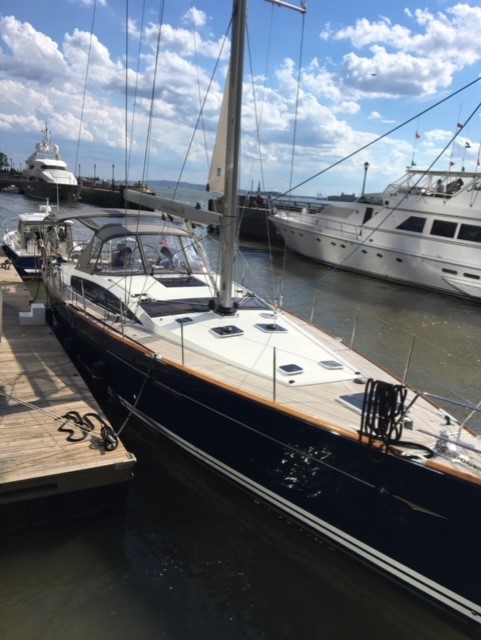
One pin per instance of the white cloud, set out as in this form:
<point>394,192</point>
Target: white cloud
<point>341,104</point>
<point>402,61</point>
<point>34,56</point>
<point>195,17</point>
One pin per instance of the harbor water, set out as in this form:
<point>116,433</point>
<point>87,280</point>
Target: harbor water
<point>192,557</point>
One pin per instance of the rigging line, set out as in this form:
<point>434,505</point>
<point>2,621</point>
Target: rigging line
<point>126,117</point>
<point>333,270</point>
<point>256,117</point>
<point>136,401</point>
<point>458,128</point>
<point>296,111</point>
<point>294,138</point>
<point>246,206</point>
<point>264,85</point>
<point>199,117</point>
<point>148,140</point>
<point>313,455</point>
<point>32,406</point>
<point>87,68</point>
<point>384,135</point>
<point>475,194</point>
<point>137,73</point>
<point>199,93</point>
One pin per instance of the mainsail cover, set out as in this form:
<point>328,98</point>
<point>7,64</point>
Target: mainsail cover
<point>217,167</point>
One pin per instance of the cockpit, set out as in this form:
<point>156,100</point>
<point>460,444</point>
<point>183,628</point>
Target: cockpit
<point>143,249</point>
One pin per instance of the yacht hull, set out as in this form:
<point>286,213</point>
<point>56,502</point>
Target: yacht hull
<point>398,517</point>
<point>27,266</point>
<point>40,190</point>
<point>419,269</point>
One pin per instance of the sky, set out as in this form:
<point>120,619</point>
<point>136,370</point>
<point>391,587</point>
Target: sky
<point>344,84</point>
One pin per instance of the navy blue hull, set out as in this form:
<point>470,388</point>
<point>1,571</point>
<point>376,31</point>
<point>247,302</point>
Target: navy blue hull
<point>418,525</point>
<point>27,267</point>
<point>40,190</point>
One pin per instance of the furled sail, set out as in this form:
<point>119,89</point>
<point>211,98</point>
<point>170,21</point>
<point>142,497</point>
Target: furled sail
<point>217,166</point>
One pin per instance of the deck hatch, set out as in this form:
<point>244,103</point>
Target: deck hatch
<point>271,327</point>
<point>227,331</point>
<point>331,364</point>
<point>291,369</point>
<point>353,400</point>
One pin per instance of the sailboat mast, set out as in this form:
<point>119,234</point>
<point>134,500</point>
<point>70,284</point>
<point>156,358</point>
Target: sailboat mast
<point>234,112</point>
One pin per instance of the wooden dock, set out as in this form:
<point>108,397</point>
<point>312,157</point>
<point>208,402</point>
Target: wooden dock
<point>48,455</point>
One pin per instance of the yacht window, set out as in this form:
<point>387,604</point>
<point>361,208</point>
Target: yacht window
<point>33,232</point>
<point>101,297</point>
<point>470,232</point>
<point>158,308</point>
<point>176,280</point>
<point>413,223</point>
<point>368,214</point>
<point>443,228</point>
<point>171,252</point>
<point>117,255</point>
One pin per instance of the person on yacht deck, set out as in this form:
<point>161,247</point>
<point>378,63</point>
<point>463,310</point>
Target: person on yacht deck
<point>122,257</point>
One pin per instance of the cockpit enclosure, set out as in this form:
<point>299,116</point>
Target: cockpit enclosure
<point>157,248</point>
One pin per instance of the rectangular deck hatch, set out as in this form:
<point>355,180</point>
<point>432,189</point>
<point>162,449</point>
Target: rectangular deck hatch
<point>271,327</point>
<point>228,331</point>
<point>290,369</point>
<point>331,364</point>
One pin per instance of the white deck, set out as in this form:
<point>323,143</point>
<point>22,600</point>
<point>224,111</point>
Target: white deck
<point>315,395</point>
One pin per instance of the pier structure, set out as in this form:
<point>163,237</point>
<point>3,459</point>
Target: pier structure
<point>59,456</point>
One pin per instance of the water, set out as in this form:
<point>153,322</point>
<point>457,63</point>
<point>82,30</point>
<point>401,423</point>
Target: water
<point>194,558</point>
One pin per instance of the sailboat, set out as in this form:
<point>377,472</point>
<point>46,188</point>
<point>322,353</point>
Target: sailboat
<point>270,402</point>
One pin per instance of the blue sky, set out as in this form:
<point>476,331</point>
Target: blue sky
<point>365,68</point>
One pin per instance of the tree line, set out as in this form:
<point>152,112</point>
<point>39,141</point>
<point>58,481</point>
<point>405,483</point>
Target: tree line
<point>4,162</point>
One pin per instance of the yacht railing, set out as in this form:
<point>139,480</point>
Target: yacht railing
<point>322,224</point>
<point>412,359</point>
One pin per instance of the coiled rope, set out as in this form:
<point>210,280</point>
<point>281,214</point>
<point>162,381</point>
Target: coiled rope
<point>382,409</point>
<point>76,422</point>
<point>86,425</point>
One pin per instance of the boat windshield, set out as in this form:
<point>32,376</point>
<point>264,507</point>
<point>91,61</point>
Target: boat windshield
<point>148,253</point>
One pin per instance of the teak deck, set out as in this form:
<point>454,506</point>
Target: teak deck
<point>38,385</point>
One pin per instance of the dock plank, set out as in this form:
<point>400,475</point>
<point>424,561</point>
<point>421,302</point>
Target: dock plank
<point>39,385</point>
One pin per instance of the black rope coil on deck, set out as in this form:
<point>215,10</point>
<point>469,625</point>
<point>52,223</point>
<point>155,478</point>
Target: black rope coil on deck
<point>382,410</point>
<point>78,427</point>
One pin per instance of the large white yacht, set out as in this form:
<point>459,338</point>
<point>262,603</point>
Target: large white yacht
<point>47,175</point>
<point>423,230</point>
